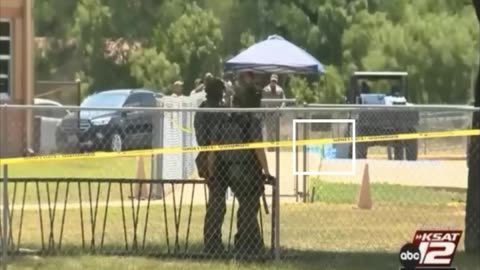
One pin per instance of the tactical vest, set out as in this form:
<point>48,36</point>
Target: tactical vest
<point>234,131</point>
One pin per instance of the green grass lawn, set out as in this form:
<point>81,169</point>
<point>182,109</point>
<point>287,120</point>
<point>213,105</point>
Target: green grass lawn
<point>122,167</point>
<point>108,168</point>
<point>328,233</point>
<point>322,191</point>
<point>312,261</point>
<point>345,193</point>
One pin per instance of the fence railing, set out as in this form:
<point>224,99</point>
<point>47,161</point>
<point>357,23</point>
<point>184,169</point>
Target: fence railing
<point>105,216</point>
<point>136,185</point>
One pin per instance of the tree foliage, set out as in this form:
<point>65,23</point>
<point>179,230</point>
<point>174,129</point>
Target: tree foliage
<point>194,41</point>
<point>329,88</point>
<point>434,40</point>
<point>152,69</point>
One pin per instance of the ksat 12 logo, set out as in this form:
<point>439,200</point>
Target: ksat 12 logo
<point>430,250</point>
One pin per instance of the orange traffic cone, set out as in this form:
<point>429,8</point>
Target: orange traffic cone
<point>140,189</point>
<point>364,198</point>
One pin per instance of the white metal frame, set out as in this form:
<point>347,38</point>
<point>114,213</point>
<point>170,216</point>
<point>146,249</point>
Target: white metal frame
<point>331,121</point>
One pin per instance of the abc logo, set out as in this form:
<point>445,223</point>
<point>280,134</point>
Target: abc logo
<point>409,256</point>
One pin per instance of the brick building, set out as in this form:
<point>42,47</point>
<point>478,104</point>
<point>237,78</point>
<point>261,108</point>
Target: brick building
<point>16,74</point>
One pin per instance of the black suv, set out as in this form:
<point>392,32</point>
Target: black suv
<point>109,130</point>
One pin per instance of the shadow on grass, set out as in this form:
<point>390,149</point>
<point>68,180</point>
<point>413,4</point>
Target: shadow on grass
<point>365,260</point>
<point>290,259</point>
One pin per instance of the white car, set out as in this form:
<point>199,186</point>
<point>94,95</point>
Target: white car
<point>49,119</point>
<point>47,112</point>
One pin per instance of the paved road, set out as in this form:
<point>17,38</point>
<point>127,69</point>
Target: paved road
<point>430,173</point>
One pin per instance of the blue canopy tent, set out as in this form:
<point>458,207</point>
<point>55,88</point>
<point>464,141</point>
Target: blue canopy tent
<point>274,55</point>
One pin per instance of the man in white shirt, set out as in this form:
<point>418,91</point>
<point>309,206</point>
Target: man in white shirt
<point>273,91</point>
<point>228,94</point>
<point>177,90</point>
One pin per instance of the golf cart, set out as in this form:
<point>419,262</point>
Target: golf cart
<point>383,122</point>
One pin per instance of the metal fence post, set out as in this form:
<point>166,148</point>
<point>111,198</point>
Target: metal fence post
<point>183,116</point>
<point>305,156</point>
<point>297,192</point>
<point>276,193</point>
<point>5,217</point>
<point>157,160</point>
<point>79,91</point>
<point>4,208</point>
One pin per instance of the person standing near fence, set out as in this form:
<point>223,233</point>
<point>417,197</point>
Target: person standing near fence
<point>200,85</point>
<point>247,168</point>
<point>228,93</point>
<point>216,208</point>
<point>272,91</point>
<point>241,170</point>
<point>177,90</point>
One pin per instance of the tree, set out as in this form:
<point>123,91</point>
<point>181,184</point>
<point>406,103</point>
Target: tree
<point>197,35</point>
<point>416,44</point>
<point>328,88</point>
<point>152,69</point>
<point>193,41</point>
<point>52,25</point>
<point>91,31</point>
<point>472,216</point>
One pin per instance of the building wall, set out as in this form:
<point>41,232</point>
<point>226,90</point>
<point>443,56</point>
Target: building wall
<point>16,125</point>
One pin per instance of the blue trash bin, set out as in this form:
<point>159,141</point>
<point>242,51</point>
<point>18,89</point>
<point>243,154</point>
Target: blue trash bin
<point>329,151</point>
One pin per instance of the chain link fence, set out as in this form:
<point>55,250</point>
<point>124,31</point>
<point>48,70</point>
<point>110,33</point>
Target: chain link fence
<point>160,203</point>
<point>380,205</point>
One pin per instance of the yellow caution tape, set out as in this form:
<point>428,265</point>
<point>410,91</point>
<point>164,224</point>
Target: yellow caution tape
<point>288,143</point>
<point>178,126</point>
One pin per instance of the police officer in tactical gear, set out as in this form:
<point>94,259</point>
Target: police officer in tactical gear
<point>248,170</point>
<point>241,170</point>
<point>204,123</point>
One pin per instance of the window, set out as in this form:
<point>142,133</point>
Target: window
<point>5,56</point>
<point>134,100</point>
<point>105,99</point>
<point>4,27</point>
<point>4,47</point>
<point>4,66</point>
<point>148,100</point>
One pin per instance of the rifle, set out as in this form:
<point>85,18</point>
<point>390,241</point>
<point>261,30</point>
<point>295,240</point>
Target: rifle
<point>267,180</point>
